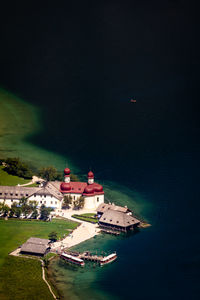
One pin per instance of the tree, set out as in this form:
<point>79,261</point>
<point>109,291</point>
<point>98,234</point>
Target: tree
<point>74,177</point>
<point>5,209</point>
<point>14,166</point>
<point>33,208</point>
<point>13,210</point>
<point>79,203</point>
<point>18,212</point>
<point>67,201</point>
<point>44,212</point>
<point>34,214</point>
<point>48,173</point>
<point>53,236</point>
<point>25,207</point>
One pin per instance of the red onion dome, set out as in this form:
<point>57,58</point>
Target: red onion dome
<point>98,188</point>
<point>89,189</point>
<point>90,174</point>
<point>67,171</point>
<point>65,187</point>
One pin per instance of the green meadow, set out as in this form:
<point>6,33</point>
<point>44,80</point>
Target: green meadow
<point>6,179</point>
<point>20,278</point>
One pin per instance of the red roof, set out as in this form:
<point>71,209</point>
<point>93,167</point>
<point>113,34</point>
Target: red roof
<point>90,174</point>
<point>67,171</point>
<point>75,187</point>
<point>81,188</point>
<point>93,189</point>
<point>65,187</point>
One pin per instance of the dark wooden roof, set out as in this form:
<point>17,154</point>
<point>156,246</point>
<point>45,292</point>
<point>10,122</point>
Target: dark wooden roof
<point>117,218</point>
<point>35,245</point>
<point>104,207</point>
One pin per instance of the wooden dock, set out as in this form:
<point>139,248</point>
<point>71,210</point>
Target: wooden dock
<point>110,231</point>
<point>89,257</point>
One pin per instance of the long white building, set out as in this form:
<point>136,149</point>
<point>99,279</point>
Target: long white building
<point>52,193</point>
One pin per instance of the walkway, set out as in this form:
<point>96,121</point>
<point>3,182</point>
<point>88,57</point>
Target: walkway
<point>82,233</point>
<point>34,180</point>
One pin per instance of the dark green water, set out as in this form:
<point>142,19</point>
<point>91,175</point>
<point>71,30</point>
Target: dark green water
<point>81,65</point>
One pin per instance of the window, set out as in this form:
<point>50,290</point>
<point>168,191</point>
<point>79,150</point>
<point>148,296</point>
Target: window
<point>11,194</point>
<point>11,200</point>
<point>22,194</point>
<point>44,196</point>
<point>6,193</point>
<point>97,199</point>
<point>51,202</point>
<point>16,194</point>
<point>34,195</point>
<point>45,202</point>
<point>0,193</point>
<point>40,201</point>
<point>26,195</point>
<point>74,197</point>
<point>55,202</point>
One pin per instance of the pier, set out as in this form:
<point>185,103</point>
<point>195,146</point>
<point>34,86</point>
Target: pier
<point>87,256</point>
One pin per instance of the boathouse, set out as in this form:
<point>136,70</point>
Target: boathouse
<point>36,246</point>
<point>116,220</point>
<point>103,207</point>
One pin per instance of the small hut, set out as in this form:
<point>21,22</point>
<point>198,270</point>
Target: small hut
<point>36,246</point>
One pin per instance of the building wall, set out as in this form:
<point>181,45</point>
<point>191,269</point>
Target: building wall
<point>9,202</point>
<point>41,199</point>
<point>93,202</point>
<point>47,200</point>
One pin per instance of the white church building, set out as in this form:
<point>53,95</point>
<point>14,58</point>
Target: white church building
<point>52,193</point>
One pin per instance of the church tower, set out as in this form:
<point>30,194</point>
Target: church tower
<point>90,177</point>
<point>67,175</point>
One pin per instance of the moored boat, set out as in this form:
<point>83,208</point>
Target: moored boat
<point>133,101</point>
<point>108,259</point>
<point>72,259</point>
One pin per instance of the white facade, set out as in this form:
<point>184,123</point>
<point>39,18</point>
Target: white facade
<point>92,202</point>
<point>51,194</point>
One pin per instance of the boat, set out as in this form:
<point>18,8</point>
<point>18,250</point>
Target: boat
<point>72,259</point>
<point>133,101</point>
<point>108,259</point>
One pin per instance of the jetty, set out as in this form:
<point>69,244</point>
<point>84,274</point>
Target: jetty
<point>88,256</point>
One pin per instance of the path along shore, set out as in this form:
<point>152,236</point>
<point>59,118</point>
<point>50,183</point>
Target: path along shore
<point>82,233</point>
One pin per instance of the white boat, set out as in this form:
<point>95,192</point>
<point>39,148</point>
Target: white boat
<point>72,259</point>
<point>108,259</point>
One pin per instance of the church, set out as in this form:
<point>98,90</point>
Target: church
<point>52,193</point>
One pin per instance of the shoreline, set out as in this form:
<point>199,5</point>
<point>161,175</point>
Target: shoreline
<point>23,148</point>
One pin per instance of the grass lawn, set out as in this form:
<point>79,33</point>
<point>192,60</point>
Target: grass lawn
<point>20,278</point>
<point>86,217</point>
<point>6,179</point>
